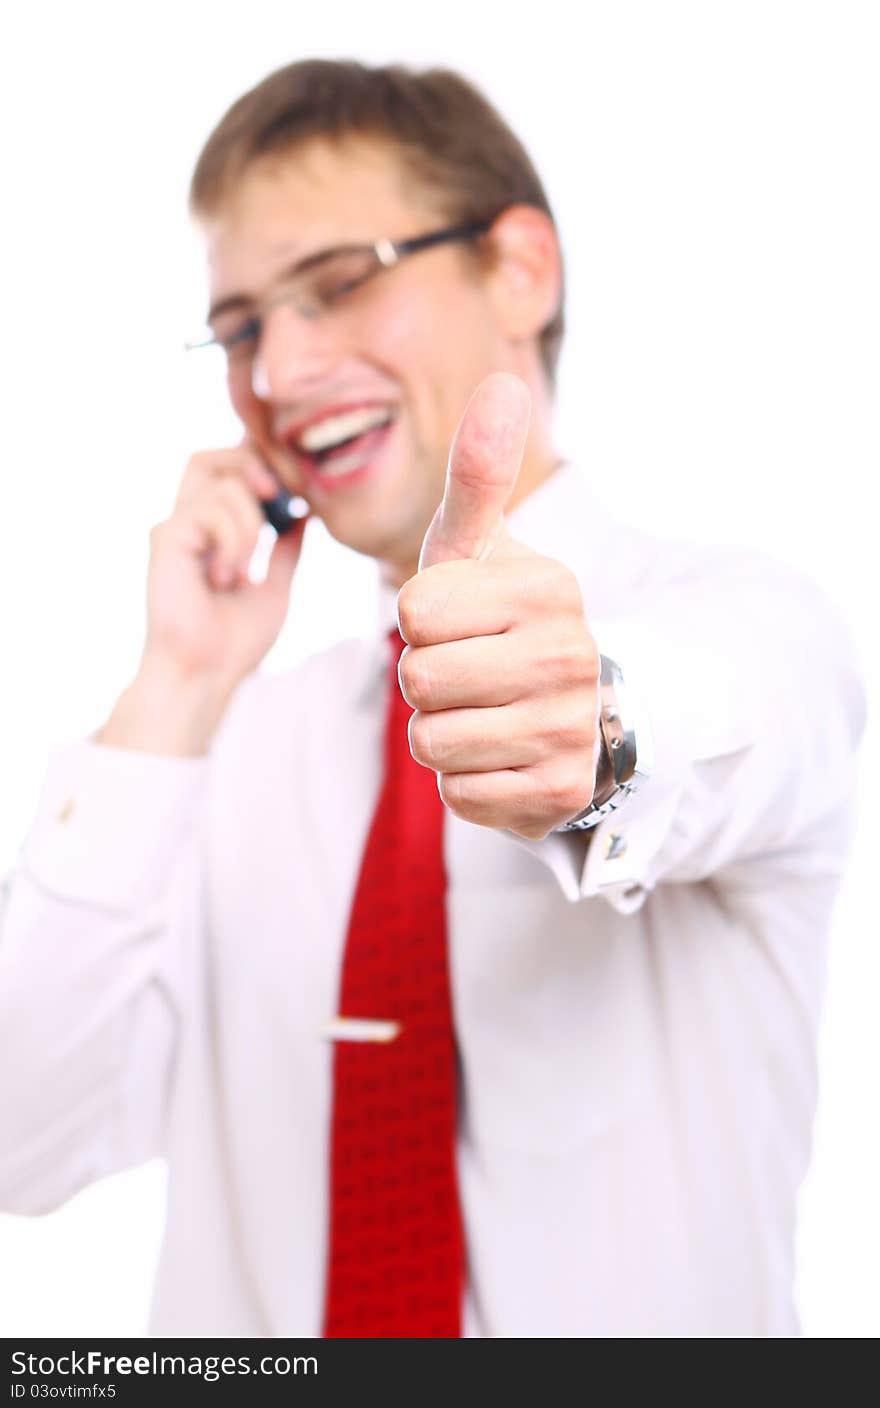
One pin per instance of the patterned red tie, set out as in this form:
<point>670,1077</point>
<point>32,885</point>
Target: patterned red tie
<point>396,1255</point>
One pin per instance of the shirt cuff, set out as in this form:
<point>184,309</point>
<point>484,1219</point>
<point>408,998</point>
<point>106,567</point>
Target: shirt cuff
<point>613,859</point>
<point>110,822</point>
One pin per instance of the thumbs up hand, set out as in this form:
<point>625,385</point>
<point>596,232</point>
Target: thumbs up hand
<point>500,666</point>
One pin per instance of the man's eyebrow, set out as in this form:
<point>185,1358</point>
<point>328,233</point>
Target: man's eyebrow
<point>234,301</point>
<point>228,305</point>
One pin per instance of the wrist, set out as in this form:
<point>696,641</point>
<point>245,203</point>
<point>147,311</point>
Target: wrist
<point>166,710</point>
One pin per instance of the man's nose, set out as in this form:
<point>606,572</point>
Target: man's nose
<point>293,348</point>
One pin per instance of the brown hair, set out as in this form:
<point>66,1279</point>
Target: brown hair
<point>450,137</point>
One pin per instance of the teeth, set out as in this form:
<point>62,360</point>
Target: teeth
<point>341,464</point>
<point>335,429</point>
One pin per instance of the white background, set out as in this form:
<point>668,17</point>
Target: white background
<point>714,171</point>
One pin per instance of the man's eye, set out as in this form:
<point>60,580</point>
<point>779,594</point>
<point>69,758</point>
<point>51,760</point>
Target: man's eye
<point>329,290</point>
<point>340,277</point>
<point>240,338</point>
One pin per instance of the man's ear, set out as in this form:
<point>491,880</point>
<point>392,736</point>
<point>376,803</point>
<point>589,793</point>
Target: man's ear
<point>525,271</point>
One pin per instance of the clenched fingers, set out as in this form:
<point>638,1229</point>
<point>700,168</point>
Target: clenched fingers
<point>498,669</point>
<point>513,736</point>
<point>528,801</point>
<point>457,599</point>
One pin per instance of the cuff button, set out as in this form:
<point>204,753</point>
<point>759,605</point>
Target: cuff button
<point>615,845</point>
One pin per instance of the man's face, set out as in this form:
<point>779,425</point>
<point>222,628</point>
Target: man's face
<point>411,344</point>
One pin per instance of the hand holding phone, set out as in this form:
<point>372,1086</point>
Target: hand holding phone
<point>206,619</point>
<point>208,624</point>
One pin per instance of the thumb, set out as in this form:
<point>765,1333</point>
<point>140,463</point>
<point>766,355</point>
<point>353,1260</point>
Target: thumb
<point>484,463</point>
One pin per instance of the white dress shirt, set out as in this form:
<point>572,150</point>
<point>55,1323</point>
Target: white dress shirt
<point>637,1020</point>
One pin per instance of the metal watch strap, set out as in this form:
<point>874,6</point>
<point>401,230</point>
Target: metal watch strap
<point>616,773</point>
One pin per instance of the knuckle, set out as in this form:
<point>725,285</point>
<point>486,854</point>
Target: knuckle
<point>584,726</point>
<point>409,610</point>
<point>551,585</point>
<point>548,587</point>
<point>452,791</point>
<point>571,662</point>
<point>459,798</point>
<point>571,731</point>
<point>424,601</point>
<point>415,679</point>
<point>534,582</point>
<point>420,739</point>
<point>564,586</point>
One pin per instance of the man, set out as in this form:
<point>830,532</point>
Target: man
<point>422,1059</point>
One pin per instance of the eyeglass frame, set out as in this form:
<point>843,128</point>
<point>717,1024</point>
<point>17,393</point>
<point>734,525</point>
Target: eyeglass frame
<point>388,253</point>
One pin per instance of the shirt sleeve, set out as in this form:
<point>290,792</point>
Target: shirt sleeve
<point>754,697</point>
<point>92,983</point>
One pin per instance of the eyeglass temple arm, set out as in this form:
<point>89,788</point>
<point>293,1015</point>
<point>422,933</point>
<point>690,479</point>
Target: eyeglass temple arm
<point>458,232</point>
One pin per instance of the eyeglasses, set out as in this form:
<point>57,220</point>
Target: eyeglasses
<point>320,283</point>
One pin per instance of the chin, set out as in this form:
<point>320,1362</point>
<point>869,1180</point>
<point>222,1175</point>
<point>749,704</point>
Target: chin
<point>377,541</point>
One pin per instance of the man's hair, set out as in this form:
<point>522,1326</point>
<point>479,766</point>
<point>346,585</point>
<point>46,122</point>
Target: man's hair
<point>449,137</point>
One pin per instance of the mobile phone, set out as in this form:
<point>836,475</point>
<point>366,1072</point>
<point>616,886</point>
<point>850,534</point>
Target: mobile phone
<point>284,511</point>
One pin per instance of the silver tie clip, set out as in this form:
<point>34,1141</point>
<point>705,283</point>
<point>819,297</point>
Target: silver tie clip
<point>359,1029</point>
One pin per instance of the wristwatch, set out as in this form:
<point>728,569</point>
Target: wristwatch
<point>623,763</point>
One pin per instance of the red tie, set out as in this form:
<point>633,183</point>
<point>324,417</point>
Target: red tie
<point>396,1256</point>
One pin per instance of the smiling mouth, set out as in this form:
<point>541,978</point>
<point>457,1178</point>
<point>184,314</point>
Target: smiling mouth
<point>340,442</point>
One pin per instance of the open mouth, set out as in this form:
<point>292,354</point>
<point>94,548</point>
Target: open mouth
<point>342,443</point>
